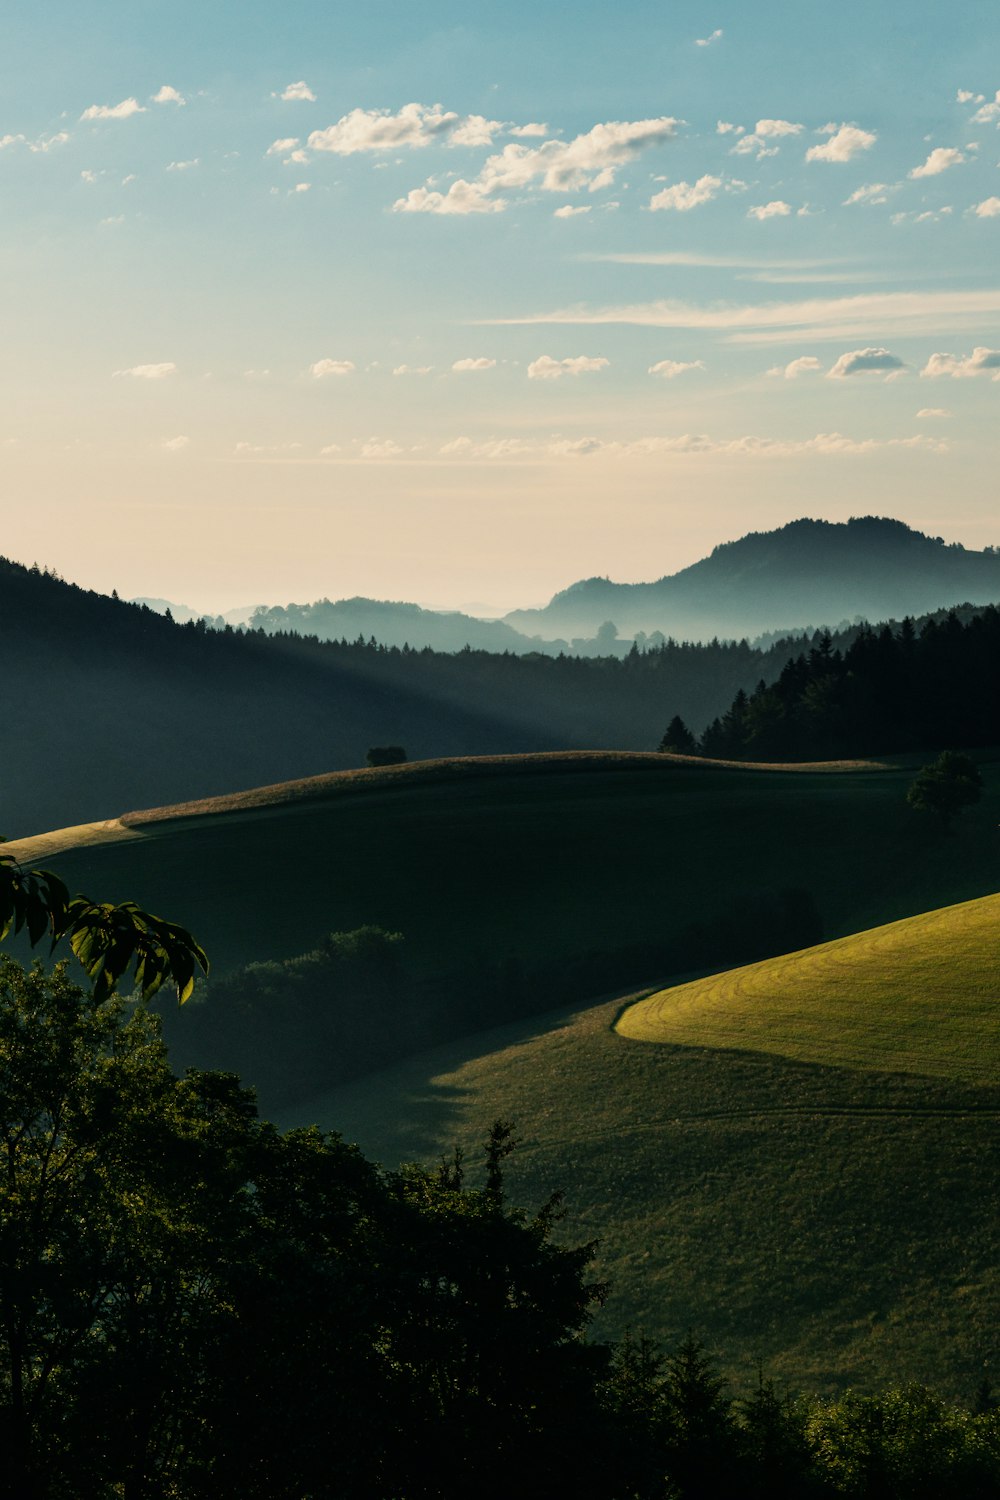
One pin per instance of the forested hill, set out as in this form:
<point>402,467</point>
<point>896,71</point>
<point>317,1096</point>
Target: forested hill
<point>808,571</point>
<point>395,624</point>
<point>105,705</point>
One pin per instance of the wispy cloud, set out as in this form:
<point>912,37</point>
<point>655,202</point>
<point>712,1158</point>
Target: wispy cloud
<point>147,372</point>
<point>175,444</point>
<point>669,369</point>
<point>121,111</point>
<point>823,318</point>
<point>990,113</point>
<point>568,211</point>
<point>547,368</point>
<point>472,366</point>
<point>707,41</point>
<point>300,90</point>
<point>324,368</point>
<point>872,192</point>
<point>843,144</point>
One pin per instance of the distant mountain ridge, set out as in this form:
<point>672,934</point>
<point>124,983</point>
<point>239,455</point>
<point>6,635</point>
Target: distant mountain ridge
<point>809,572</point>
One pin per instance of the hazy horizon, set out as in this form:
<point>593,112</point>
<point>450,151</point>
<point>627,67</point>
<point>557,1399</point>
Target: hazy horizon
<point>431,304</point>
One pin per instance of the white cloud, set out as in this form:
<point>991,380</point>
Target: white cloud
<point>251,450</point>
<point>379,130</point>
<point>684,196</point>
<point>569,212</point>
<point>989,112</point>
<point>300,90</point>
<point>282,146</point>
<point>184,166</point>
<point>865,361</point>
<point>764,132</point>
<point>326,367</point>
<point>988,209</point>
<point>461,198</point>
<point>669,369</point>
<point>871,192</point>
<point>843,144</point>
<point>940,159</point>
<point>981,361</point>
<point>111,219</point>
<point>168,95</point>
<point>381,448</point>
<point>88,175</point>
<point>806,364</point>
<point>706,41</point>
<point>928,412</point>
<point>463,366</point>
<point>413,369</point>
<point>813,318</point>
<point>776,209</point>
<point>531,129</point>
<point>966,96</point>
<point>725,127</point>
<point>302,187</point>
<point>474,130</point>
<point>120,111</point>
<point>12,140</point>
<point>330,449</point>
<point>547,368</point>
<point>175,444</point>
<point>148,372</point>
<point>589,160</point>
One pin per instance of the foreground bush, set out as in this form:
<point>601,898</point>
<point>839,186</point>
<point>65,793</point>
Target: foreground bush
<point>194,1305</point>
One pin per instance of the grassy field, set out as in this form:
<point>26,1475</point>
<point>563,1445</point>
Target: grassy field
<point>917,996</point>
<point>816,1194</point>
<point>536,856</point>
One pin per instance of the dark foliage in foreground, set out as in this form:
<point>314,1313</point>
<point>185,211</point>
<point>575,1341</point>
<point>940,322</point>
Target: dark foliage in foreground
<point>193,1305</point>
<point>885,691</point>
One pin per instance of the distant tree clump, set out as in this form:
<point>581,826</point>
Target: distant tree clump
<point>386,755</point>
<point>946,786</point>
<point>678,738</point>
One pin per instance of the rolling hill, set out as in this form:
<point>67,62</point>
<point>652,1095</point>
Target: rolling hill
<point>519,883</point>
<point>798,1160</point>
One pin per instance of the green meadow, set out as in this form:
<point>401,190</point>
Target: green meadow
<point>795,1158</point>
<point>810,1182</point>
<point>537,857</point>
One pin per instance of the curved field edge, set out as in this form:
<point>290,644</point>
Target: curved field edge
<point>921,995</point>
<point>838,1225</point>
<point>404,777</point>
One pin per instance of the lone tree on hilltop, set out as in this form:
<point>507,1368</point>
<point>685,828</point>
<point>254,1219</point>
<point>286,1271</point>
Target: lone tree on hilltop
<point>946,786</point>
<point>678,738</point>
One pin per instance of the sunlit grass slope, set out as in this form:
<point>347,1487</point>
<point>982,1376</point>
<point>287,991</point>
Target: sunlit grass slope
<point>533,856</point>
<point>793,1201</point>
<point>917,996</point>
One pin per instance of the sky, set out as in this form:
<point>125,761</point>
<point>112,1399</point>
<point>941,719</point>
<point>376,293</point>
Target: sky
<point>459,304</point>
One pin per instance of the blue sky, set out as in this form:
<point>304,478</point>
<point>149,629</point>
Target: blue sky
<point>459,304</point>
